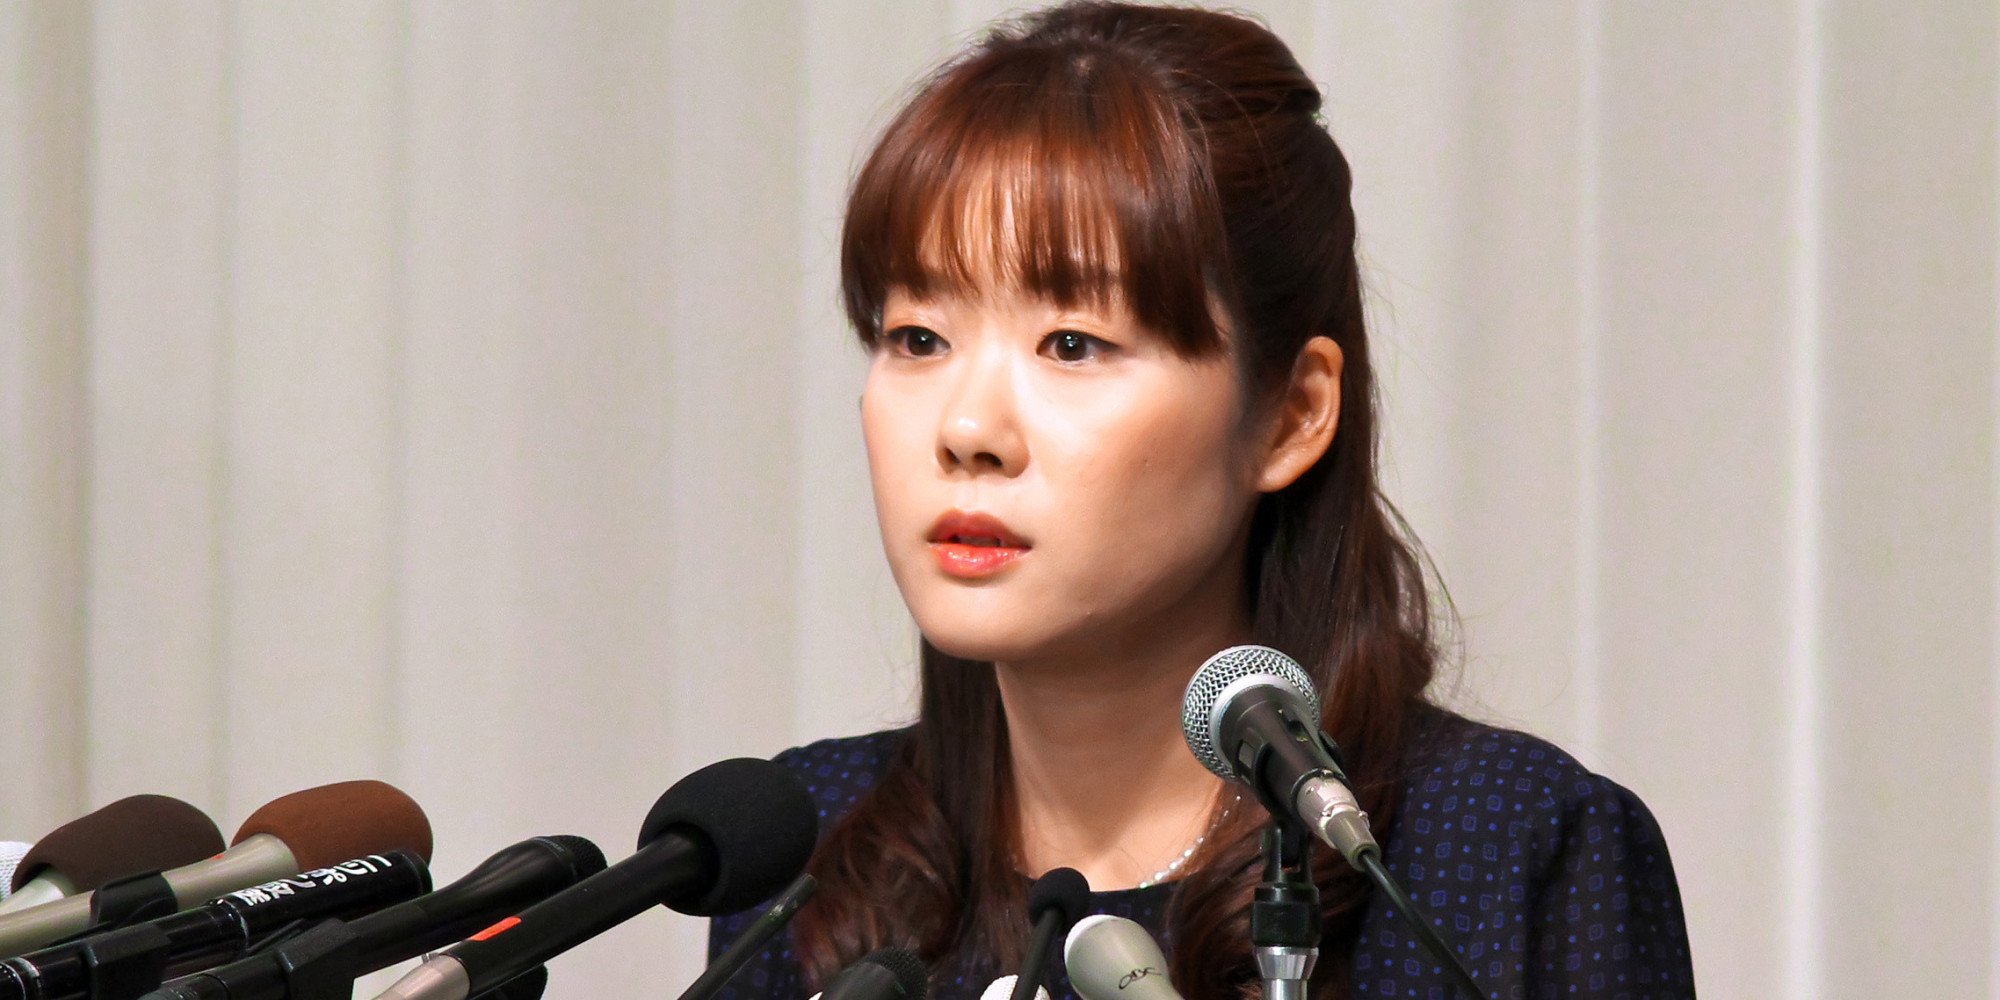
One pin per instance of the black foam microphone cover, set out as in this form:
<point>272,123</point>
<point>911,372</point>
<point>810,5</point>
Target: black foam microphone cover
<point>756,820</point>
<point>1062,890</point>
<point>884,974</point>
<point>1058,899</point>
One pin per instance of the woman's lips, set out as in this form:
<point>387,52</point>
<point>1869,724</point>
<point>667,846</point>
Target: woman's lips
<point>971,545</point>
<point>974,561</point>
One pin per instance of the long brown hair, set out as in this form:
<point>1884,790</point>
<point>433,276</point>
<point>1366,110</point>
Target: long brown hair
<point>1174,158</point>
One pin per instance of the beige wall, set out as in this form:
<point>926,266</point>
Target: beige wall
<point>454,394</point>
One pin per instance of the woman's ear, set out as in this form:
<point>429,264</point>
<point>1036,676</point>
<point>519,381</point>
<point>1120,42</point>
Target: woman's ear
<point>1306,418</point>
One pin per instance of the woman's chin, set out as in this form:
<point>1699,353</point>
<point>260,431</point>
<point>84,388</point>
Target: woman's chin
<point>992,623</point>
<point>978,646</point>
<point>988,641</point>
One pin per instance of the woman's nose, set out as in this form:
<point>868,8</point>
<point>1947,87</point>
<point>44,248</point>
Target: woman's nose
<point>978,432</point>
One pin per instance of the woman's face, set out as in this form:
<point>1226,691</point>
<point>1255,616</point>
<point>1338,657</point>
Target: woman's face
<point>1053,481</point>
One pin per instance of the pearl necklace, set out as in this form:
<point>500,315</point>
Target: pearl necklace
<point>1173,867</point>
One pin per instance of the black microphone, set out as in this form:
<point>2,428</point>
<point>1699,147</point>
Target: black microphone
<point>1056,900</point>
<point>128,961</point>
<point>1251,716</point>
<point>721,839</point>
<point>513,877</point>
<point>884,974</point>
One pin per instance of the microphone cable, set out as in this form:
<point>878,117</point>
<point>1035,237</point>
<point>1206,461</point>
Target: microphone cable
<point>1369,861</point>
<point>1251,716</point>
<point>752,940</point>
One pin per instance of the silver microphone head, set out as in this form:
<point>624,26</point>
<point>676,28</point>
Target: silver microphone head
<point>1226,673</point>
<point>1112,958</point>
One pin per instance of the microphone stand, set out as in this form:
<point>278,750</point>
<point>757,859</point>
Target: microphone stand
<point>1284,916</point>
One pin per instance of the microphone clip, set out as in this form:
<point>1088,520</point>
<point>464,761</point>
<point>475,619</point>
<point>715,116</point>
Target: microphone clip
<point>319,963</point>
<point>1282,752</point>
<point>133,899</point>
<point>1285,913</point>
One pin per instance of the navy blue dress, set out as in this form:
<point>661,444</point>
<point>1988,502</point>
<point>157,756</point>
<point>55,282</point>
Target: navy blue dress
<point>1550,880</point>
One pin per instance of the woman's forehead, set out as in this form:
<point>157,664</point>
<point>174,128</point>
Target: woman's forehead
<point>1072,211</point>
<point>1004,232</point>
<point>996,295</point>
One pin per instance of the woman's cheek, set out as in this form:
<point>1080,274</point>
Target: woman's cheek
<point>891,438</point>
<point>1182,481</point>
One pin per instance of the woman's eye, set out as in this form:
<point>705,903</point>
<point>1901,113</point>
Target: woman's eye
<point>1069,345</point>
<point>914,341</point>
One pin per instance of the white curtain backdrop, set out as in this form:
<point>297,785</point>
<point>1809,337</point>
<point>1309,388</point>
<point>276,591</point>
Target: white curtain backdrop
<point>454,394</point>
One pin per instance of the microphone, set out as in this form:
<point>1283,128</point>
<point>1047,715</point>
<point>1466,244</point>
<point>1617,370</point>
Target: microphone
<point>512,878</point>
<point>140,833</point>
<point>1112,958</point>
<point>883,974</point>
<point>719,840</point>
<point>312,829</point>
<point>126,961</point>
<point>1056,900</point>
<point>1251,716</point>
<point>1003,988</point>
<point>11,852</point>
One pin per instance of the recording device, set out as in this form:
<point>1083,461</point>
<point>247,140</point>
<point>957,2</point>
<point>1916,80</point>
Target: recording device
<point>514,877</point>
<point>11,852</point>
<point>719,840</point>
<point>125,962</point>
<point>752,940</point>
<point>316,828</point>
<point>1112,958</point>
<point>139,833</point>
<point>1003,988</point>
<point>1056,901</point>
<point>1251,716</point>
<point>883,974</point>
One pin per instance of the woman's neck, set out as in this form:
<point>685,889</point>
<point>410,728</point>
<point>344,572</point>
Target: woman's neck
<point>1103,780</point>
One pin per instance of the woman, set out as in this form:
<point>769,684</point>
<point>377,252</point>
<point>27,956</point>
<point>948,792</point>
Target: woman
<point>1120,415</point>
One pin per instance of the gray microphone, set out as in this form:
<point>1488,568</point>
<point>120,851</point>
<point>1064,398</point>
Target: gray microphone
<point>132,836</point>
<point>11,853</point>
<point>1251,716</point>
<point>1112,958</point>
<point>317,828</point>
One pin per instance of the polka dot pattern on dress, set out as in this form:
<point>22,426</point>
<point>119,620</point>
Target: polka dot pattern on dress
<point>1551,881</point>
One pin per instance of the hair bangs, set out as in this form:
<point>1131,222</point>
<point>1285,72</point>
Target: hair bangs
<point>1067,177</point>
